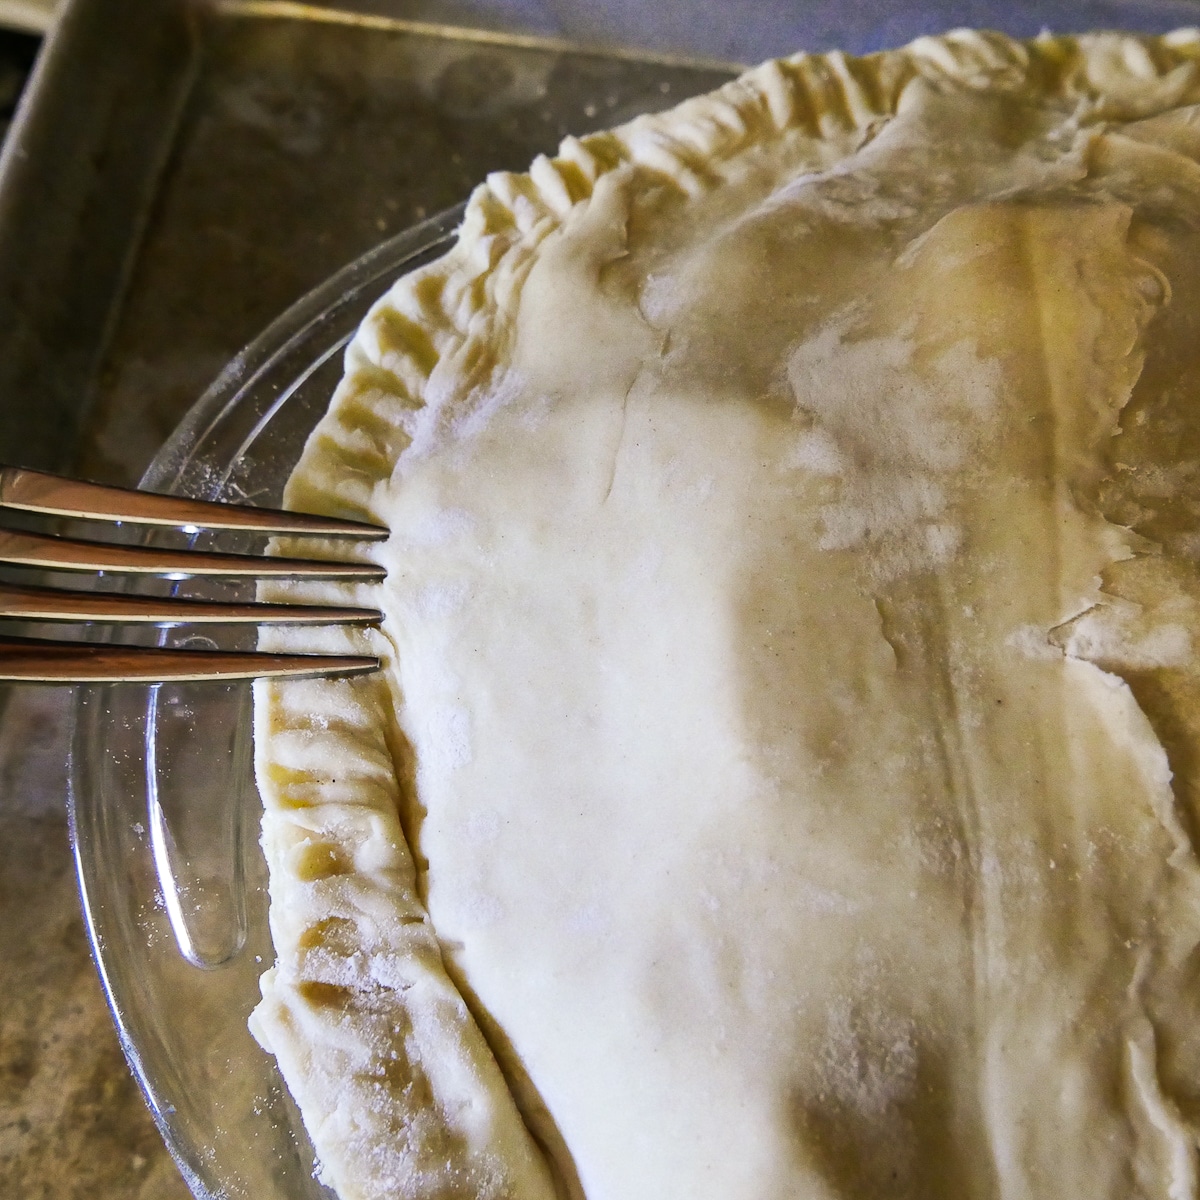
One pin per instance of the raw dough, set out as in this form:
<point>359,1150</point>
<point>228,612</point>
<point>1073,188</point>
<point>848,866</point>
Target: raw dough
<point>783,782</point>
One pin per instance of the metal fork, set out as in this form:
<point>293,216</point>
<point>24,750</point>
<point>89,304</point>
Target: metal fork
<point>47,661</point>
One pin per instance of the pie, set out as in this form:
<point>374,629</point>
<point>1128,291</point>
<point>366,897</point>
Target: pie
<point>783,779</point>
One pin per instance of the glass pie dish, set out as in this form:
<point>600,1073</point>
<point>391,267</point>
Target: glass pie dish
<point>163,808</point>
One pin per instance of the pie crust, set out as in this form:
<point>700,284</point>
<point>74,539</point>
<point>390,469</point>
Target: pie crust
<point>783,778</point>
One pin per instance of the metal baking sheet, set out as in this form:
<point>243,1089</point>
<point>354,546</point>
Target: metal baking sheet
<point>183,173</point>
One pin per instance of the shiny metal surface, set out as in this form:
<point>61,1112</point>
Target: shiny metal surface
<point>181,172</point>
<point>55,495</point>
<point>40,661</point>
<point>25,603</point>
<point>51,553</point>
<point>77,177</point>
<point>24,660</point>
<point>32,660</point>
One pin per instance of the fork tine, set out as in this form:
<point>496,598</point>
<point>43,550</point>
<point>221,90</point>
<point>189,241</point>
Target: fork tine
<point>30,660</point>
<point>53,495</point>
<point>34,660</point>
<point>56,604</point>
<point>48,552</point>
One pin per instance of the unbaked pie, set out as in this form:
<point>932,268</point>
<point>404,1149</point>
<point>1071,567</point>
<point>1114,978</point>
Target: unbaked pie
<point>783,779</point>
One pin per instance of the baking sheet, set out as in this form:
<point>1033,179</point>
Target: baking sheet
<point>76,175</point>
<point>188,172</point>
<point>305,142</point>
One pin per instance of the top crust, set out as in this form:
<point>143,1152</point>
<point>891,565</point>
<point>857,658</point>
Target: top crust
<point>375,1022</point>
<point>445,316</point>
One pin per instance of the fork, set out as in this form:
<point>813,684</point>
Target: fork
<point>37,660</point>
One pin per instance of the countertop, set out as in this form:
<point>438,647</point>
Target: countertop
<point>72,1121</point>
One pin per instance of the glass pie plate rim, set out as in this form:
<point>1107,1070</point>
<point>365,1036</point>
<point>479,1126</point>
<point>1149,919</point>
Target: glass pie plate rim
<point>142,852</point>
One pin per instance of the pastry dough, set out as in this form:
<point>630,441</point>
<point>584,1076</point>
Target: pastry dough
<point>783,779</point>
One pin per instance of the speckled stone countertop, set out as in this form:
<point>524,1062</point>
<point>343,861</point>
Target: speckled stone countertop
<point>72,1121</point>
